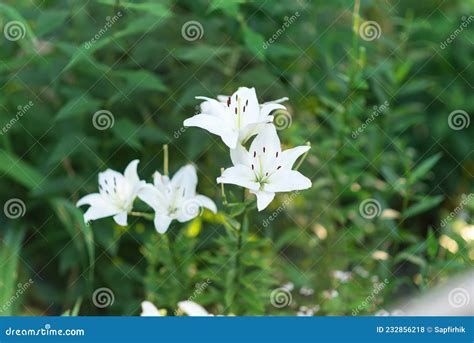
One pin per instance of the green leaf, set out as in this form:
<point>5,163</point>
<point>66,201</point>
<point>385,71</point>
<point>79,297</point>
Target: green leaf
<point>142,79</point>
<point>432,244</point>
<point>154,8</point>
<point>80,232</point>
<point>20,171</point>
<point>254,42</point>
<point>10,249</point>
<point>19,29</point>
<point>77,106</point>
<point>127,131</point>
<point>423,168</point>
<point>424,205</point>
<point>51,20</point>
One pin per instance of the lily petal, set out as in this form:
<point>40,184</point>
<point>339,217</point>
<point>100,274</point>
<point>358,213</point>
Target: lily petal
<point>239,155</point>
<point>152,197</point>
<point>98,212</point>
<point>162,223</point>
<point>207,203</point>
<point>252,129</point>
<point>287,181</point>
<point>130,172</point>
<point>192,309</point>
<point>268,139</point>
<point>215,125</point>
<point>289,157</point>
<point>239,175</point>
<point>121,218</point>
<point>149,310</point>
<point>186,177</point>
<point>264,198</point>
<point>267,108</point>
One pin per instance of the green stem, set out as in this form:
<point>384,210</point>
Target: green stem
<point>302,158</point>
<point>149,216</point>
<point>170,243</point>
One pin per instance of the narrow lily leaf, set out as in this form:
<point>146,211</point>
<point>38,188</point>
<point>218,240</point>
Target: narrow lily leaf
<point>77,106</point>
<point>157,9</point>
<point>254,42</point>
<point>81,233</point>
<point>10,248</point>
<point>424,168</point>
<point>423,206</point>
<point>142,79</point>
<point>18,170</point>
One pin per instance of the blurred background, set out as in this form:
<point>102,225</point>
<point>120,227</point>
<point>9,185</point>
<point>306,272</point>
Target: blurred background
<point>379,88</point>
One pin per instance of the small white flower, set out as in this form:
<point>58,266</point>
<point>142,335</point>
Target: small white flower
<point>116,195</point>
<point>342,276</point>
<point>265,169</point>
<point>149,310</point>
<point>193,309</point>
<point>175,198</point>
<point>236,119</point>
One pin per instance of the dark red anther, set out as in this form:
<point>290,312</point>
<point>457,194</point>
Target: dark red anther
<point>236,110</point>
<point>253,167</point>
<point>277,154</point>
<point>263,149</point>
<point>228,101</point>
<point>278,167</point>
<point>254,154</point>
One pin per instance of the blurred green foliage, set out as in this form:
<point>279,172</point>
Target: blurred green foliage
<point>133,59</point>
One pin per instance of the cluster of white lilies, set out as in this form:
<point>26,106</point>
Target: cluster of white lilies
<point>264,168</point>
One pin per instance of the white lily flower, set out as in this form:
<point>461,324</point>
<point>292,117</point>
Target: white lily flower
<point>116,195</point>
<point>149,310</point>
<point>265,169</point>
<point>235,120</point>
<point>175,198</point>
<point>193,309</point>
